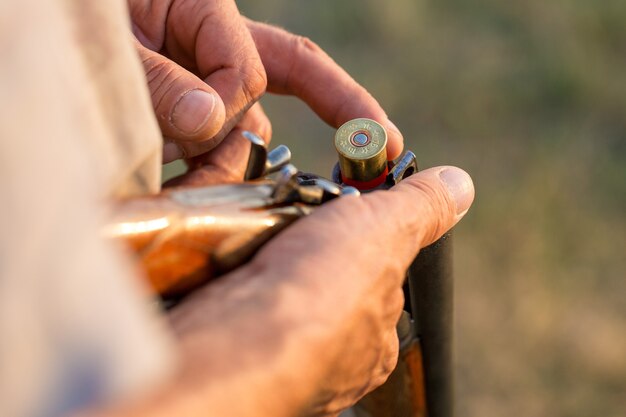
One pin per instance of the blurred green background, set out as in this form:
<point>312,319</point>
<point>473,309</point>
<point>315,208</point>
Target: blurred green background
<point>530,98</point>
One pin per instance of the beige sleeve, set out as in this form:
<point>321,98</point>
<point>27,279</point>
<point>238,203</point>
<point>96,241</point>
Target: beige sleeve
<point>75,128</point>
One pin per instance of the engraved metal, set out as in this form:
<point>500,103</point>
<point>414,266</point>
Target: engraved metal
<point>361,144</point>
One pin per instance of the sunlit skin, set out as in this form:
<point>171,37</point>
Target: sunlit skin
<point>210,47</point>
<point>308,326</point>
<point>309,323</point>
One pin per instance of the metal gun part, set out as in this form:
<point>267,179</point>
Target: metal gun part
<point>260,161</point>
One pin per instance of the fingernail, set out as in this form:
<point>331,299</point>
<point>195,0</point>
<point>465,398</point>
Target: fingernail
<point>172,152</point>
<point>192,111</point>
<point>460,186</point>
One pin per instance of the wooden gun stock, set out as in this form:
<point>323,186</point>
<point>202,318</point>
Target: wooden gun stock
<point>184,238</point>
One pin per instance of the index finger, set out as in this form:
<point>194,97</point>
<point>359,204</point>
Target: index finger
<point>297,66</point>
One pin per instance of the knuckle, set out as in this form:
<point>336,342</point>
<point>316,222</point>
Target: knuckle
<point>369,211</point>
<point>254,80</point>
<point>365,214</point>
<point>148,22</point>
<point>302,44</point>
<point>388,360</point>
<point>395,305</point>
<point>435,211</point>
<point>378,210</point>
<point>299,48</point>
<point>155,68</point>
<point>377,381</point>
<point>160,75</point>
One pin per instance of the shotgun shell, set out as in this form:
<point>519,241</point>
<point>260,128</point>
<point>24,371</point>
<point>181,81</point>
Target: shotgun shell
<point>361,145</point>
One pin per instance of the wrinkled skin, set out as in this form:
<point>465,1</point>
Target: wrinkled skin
<point>206,45</point>
<point>308,326</point>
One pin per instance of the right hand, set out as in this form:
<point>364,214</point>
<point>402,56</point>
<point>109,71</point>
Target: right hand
<point>310,322</point>
<point>206,67</point>
<point>202,68</point>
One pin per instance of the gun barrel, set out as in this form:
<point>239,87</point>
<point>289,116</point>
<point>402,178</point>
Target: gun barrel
<point>431,288</point>
<point>410,391</point>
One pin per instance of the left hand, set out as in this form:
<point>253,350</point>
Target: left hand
<point>308,326</point>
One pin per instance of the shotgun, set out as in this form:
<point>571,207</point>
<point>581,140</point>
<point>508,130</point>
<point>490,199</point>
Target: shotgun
<point>184,237</point>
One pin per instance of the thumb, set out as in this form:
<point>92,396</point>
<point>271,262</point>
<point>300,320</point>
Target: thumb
<point>187,109</point>
<point>427,204</point>
<point>382,229</point>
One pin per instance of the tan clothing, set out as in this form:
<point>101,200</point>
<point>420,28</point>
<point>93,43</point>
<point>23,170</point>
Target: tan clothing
<point>76,127</point>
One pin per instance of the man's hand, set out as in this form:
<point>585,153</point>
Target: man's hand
<point>295,66</point>
<point>207,66</point>
<point>308,326</point>
<point>228,161</point>
<point>202,66</point>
